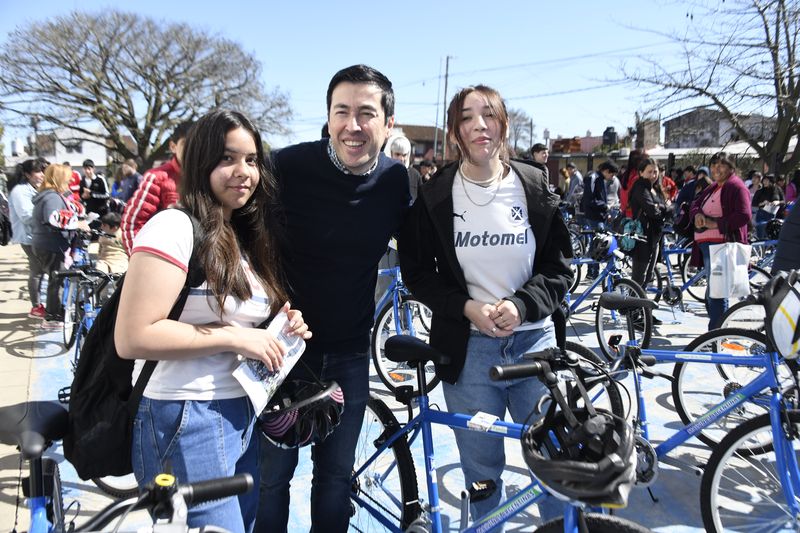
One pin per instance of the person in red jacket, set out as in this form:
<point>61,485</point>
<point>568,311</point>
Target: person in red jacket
<point>157,191</point>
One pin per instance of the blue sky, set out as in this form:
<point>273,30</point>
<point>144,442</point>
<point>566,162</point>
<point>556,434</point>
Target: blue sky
<point>549,59</point>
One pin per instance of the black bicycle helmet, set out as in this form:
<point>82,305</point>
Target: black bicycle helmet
<point>302,412</point>
<point>602,246</point>
<point>773,228</point>
<point>583,457</point>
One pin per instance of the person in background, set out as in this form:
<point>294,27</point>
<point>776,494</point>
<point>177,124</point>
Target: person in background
<point>426,170</point>
<point>721,213</point>
<point>540,154</point>
<point>793,187</point>
<point>491,298</point>
<point>787,251</point>
<point>20,207</point>
<point>399,149</point>
<point>195,419</point>
<point>95,196</point>
<point>575,187</point>
<point>56,221</point>
<point>628,179</point>
<point>767,201</point>
<point>612,188</point>
<point>342,200</point>
<point>648,207</point>
<point>158,189</point>
<point>563,183</point>
<point>130,179</point>
<point>111,256</point>
<point>594,205</point>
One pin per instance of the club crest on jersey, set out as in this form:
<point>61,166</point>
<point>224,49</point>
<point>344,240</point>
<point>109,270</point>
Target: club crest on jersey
<point>517,215</point>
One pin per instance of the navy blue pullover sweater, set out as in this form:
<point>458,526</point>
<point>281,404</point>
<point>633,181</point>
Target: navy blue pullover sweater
<point>337,227</point>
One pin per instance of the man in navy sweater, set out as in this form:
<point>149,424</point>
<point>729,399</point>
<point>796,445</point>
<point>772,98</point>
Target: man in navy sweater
<point>342,199</point>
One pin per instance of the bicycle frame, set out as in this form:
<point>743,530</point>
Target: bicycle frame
<point>609,272</point>
<point>395,293</point>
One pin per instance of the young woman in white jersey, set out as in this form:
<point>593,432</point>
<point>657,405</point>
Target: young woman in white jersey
<point>194,419</point>
<point>486,249</point>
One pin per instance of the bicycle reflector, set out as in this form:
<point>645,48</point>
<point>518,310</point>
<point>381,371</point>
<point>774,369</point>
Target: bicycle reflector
<point>781,299</point>
<point>302,412</point>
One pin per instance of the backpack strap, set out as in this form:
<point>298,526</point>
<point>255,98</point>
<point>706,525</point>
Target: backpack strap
<point>194,278</point>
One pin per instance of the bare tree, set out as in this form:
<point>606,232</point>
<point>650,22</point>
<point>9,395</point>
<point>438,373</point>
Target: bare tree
<point>520,130</point>
<point>738,57</point>
<point>133,76</point>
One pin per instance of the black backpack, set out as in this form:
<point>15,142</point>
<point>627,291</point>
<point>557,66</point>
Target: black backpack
<point>102,402</point>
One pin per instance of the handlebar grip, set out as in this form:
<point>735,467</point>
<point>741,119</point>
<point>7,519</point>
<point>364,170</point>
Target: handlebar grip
<point>519,370</point>
<point>216,489</point>
<point>648,360</point>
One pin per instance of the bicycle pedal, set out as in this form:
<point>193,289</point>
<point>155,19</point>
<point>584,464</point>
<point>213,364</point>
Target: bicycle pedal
<point>63,394</point>
<point>480,490</point>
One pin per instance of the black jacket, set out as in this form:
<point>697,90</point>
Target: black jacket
<point>648,206</point>
<point>594,202</point>
<point>431,270</point>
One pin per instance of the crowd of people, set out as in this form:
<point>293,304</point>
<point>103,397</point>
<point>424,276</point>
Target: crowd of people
<point>303,231</point>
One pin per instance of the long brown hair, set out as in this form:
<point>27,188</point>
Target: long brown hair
<point>253,228</point>
<point>497,107</point>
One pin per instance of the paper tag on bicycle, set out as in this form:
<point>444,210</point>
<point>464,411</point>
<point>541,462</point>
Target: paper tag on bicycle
<point>481,421</point>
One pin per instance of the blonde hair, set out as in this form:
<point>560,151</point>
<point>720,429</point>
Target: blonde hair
<point>56,177</point>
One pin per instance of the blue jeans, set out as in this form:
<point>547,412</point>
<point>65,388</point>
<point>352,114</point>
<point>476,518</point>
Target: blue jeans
<point>716,307</point>
<point>199,440</point>
<point>333,458</point>
<point>483,456</point>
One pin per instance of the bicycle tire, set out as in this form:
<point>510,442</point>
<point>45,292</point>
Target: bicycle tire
<point>597,523</point>
<point>577,275</point>
<point>576,239</point>
<point>608,324</point>
<point>69,327</point>
<point>54,506</point>
<point>754,477</point>
<point>744,315</point>
<point>394,374</point>
<point>118,487</point>
<point>697,290</point>
<point>593,377</point>
<point>758,278</point>
<point>697,386</point>
<point>391,472</point>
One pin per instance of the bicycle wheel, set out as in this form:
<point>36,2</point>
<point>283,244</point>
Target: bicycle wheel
<point>118,487</point>
<point>758,278</point>
<point>578,248</point>
<point>597,523</point>
<point>742,492</point>
<point>389,482</point>
<point>70,313</point>
<point>603,390</point>
<point>696,290</point>
<point>54,505</point>
<point>744,315</point>
<point>387,325</point>
<point>577,274</point>
<point>609,323</point>
<point>697,387</point>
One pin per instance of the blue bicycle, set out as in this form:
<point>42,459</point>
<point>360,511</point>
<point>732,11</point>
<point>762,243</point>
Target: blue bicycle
<point>734,392</point>
<point>399,313</point>
<point>385,494</point>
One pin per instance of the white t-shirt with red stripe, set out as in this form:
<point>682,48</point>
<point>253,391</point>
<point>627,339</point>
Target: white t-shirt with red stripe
<point>169,236</point>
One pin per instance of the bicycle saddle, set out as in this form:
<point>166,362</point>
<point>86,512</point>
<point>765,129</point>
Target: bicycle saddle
<point>408,349</point>
<point>622,302</point>
<point>31,425</point>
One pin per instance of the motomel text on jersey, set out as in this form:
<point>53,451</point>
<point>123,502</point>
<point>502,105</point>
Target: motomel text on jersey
<point>466,238</point>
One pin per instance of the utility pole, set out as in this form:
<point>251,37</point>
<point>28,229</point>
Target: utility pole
<point>531,135</point>
<point>444,129</point>
<point>436,128</point>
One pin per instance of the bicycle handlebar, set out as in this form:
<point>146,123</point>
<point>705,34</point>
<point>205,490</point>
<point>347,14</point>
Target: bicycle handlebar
<point>216,489</point>
<point>518,370</point>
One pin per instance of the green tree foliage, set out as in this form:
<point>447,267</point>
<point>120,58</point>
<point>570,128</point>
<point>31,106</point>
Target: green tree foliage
<point>134,76</point>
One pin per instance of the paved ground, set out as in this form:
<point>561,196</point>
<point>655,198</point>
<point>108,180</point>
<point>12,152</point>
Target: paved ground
<point>33,365</point>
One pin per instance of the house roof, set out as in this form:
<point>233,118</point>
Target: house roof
<point>419,133</point>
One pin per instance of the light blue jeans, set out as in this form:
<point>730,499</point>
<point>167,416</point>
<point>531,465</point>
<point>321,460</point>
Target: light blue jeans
<point>483,456</point>
<point>199,440</point>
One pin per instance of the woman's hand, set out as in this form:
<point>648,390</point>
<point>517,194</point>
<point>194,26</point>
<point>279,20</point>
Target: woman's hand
<point>480,314</point>
<point>699,220</point>
<point>297,325</point>
<point>506,315</point>
<point>257,343</point>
